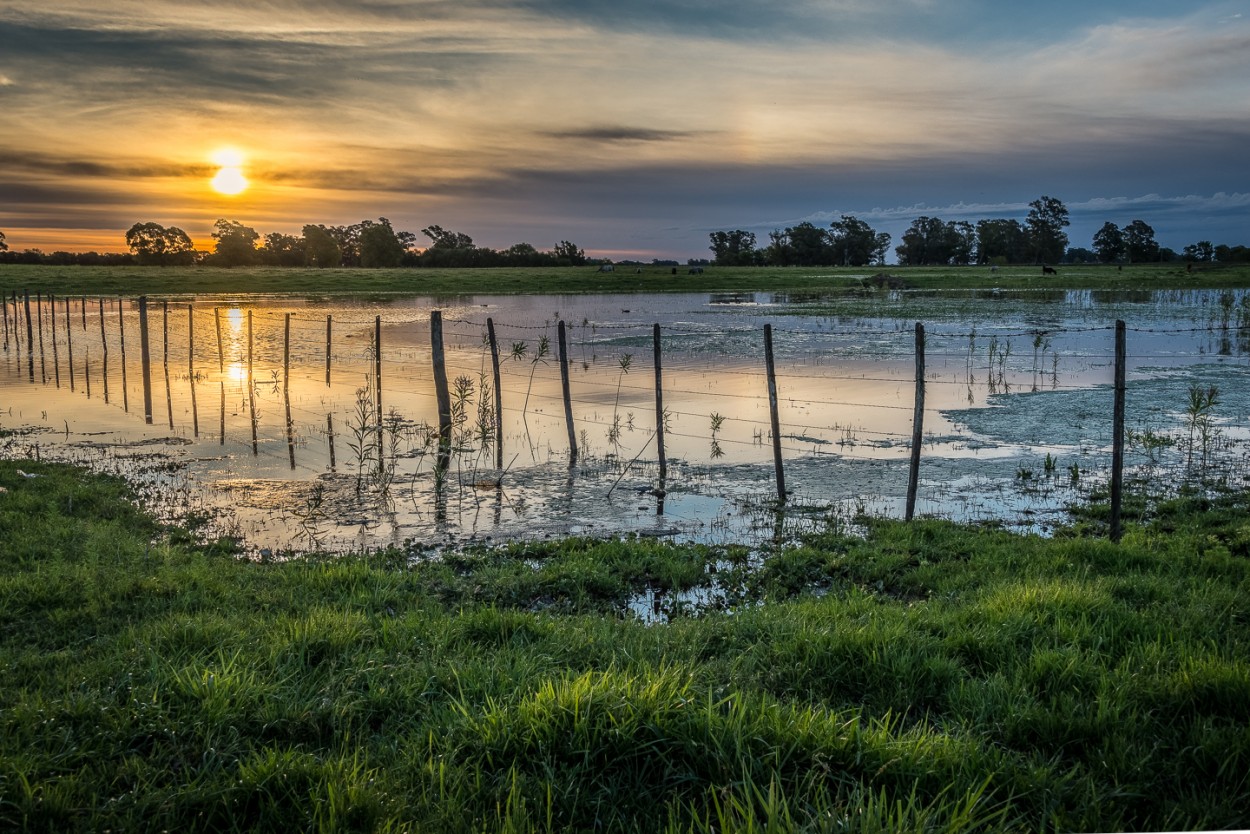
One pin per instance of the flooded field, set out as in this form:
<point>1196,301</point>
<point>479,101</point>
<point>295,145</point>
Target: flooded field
<point>298,423</point>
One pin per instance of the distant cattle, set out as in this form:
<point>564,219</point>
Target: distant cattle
<point>607,268</point>
<point>1048,270</point>
<point>695,270</point>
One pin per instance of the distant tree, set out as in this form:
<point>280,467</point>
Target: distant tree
<point>3,246</point>
<point>379,246</point>
<point>961,242</point>
<point>1202,252</point>
<point>236,243</point>
<point>1109,243</point>
<point>853,242</point>
<point>1139,242</point>
<point>1080,255</point>
<point>1226,254</point>
<point>283,250</point>
<point>157,245</point>
<point>736,248</point>
<point>569,254</point>
<point>441,238</point>
<point>1003,241</point>
<point>1048,217</point>
<point>320,247</point>
<point>927,241</point>
<point>881,248</point>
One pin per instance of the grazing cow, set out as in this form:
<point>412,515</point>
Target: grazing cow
<point>994,268</point>
<point>606,268</point>
<point>695,270</point>
<point>1048,270</point>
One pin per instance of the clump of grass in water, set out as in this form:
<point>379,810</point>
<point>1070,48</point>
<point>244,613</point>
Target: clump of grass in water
<point>1200,418</point>
<point>718,420</point>
<point>614,430</point>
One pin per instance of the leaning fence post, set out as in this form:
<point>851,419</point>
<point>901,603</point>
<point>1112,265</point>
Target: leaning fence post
<point>494,361</point>
<point>659,406</point>
<point>772,409</point>
<point>30,336</point>
<point>169,396</point>
<point>121,334</point>
<point>440,390</point>
<point>251,388</point>
<point>564,385</point>
<point>327,351</point>
<point>104,344</point>
<point>1117,441</point>
<point>145,358</point>
<point>917,426</point>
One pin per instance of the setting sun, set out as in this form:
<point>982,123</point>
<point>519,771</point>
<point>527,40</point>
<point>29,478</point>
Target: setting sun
<point>229,179</point>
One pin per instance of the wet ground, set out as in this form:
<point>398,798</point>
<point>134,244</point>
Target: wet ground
<point>281,444</point>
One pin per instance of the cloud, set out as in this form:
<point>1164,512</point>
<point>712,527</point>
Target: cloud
<point>621,133</point>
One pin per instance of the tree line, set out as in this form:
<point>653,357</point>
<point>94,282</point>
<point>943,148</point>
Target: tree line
<point>929,241</point>
<point>368,244</point>
<point>932,241</point>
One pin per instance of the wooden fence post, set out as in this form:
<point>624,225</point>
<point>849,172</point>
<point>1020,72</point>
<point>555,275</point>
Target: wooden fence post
<point>494,362</point>
<point>327,351</point>
<point>56,353</point>
<point>121,329</point>
<point>377,369</point>
<point>564,385</point>
<point>43,369</point>
<point>330,436</point>
<point>104,344</point>
<point>773,415</point>
<point>195,409</point>
<point>221,354</point>
<point>286,387</point>
<point>443,460</point>
<point>917,426</point>
<point>659,405</point>
<point>69,343</point>
<point>146,359</point>
<point>169,396</point>
<point>1117,442</point>
<point>251,388</point>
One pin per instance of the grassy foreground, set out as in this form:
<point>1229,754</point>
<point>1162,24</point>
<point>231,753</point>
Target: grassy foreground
<point>171,281</point>
<point>932,677</point>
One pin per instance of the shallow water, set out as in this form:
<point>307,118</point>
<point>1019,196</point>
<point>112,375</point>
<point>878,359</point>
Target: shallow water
<point>247,445</point>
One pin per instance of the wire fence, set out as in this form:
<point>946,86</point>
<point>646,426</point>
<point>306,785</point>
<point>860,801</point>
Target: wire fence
<point>350,392</point>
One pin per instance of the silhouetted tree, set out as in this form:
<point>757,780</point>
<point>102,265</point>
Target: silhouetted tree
<point>441,238</point>
<point>3,246</point>
<point>157,245</point>
<point>283,250</point>
<point>236,243</point>
<point>320,247</point>
<point>379,246</point>
<point>852,242</point>
<point>1001,240</point>
<point>1202,252</point>
<point>1139,242</point>
<point>736,248</point>
<point>1048,217</point>
<point>567,253</point>
<point>1109,243</point>
<point>926,242</point>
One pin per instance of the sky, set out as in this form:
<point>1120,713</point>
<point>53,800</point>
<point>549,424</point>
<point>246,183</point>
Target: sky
<point>631,127</point>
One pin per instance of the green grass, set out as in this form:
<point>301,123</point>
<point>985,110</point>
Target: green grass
<point>170,281</point>
<point>930,677</point>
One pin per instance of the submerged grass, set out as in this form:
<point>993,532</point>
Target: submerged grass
<point>927,677</point>
<point>168,281</point>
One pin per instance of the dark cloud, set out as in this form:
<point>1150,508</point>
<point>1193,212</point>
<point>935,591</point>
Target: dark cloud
<point>19,160</point>
<point>612,133</point>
